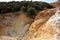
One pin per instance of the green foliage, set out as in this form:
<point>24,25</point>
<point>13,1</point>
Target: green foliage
<point>31,11</point>
<point>24,9</point>
<point>26,6</point>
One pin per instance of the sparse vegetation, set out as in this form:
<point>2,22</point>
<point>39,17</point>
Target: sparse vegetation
<point>31,11</point>
<point>24,9</point>
<point>26,6</point>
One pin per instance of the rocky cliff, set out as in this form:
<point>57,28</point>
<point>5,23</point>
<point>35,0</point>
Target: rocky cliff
<point>56,4</point>
<point>14,24</point>
<point>46,27</point>
<point>17,26</point>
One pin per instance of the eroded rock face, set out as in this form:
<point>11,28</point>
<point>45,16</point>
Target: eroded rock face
<point>42,17</point>
<point>46,26</point>
<point>56,4</point>
<point>14,25</point>
<point>49,30</point>
<point>7,38</point>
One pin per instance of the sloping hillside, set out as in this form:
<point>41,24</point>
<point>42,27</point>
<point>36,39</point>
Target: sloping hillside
<point>18,26</point>
<point>56,4</point>
<point>14,25</point>
<point>42,29</point>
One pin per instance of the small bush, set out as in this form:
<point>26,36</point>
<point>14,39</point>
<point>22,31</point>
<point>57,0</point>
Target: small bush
<point>24,9</point>
<point>31,11</point>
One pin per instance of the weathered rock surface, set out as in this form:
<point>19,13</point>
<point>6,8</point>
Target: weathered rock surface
<point>46,26</point>
<point>7,38</point>
<point>14,25</point>
<point>56,4</point>
<point>49,30</point>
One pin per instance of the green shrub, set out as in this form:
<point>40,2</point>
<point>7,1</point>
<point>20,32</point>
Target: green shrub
<point>24,9</point>
<point>31,11</point>
<point>26,6</point>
